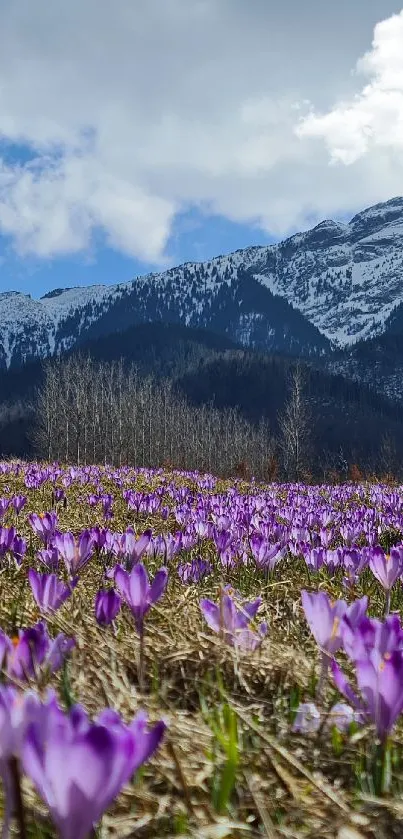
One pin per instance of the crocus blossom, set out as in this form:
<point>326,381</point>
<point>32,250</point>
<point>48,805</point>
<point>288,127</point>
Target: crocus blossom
<point>44,525</point>
<point>138,593</point>
<point>194,571</point>
<point>307,719</point>
<point>16,711</point>
<point>327,618</point>
<point>372,638</point>
<point>234,620</point>
<point>75,553</point>
<point>107,605</point>
<point>33,652</point>
<point>386,567</point>
<point>380,684</point>
<point>7,537</point>
<point>265,554</point>
<point>341,716</point>
<point>49,592</point>
<point>49,557</point>
<point>79,767</point>
<point>18,502</point>
<point>324,618</point>
<point>132,548</point>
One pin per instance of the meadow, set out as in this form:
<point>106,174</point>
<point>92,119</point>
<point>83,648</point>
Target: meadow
<point>187,656</point>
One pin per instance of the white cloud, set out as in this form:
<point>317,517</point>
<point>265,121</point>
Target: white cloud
<point>373,119</point>
<point>51,207</point>
<point>133,111</point>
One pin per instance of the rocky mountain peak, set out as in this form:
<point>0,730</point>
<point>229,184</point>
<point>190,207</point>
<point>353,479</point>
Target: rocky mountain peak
<point>329,286</point>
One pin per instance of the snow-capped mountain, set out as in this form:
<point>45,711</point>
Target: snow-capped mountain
<point>345,278</point>
<point>327,287</point>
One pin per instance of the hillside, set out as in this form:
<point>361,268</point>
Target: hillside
<point>315,292</point>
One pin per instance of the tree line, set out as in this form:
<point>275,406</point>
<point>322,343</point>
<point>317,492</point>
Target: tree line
<point>105,412</point>
<point>90,410</point>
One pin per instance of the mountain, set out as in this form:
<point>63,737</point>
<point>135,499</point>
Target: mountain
<point>345,278</point>
<point>376,363</point>
<point>313,294</point>
<point>220,296</point>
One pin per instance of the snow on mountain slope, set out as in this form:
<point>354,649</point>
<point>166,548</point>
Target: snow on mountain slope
<point>343,279</point>
<point>25,326</point>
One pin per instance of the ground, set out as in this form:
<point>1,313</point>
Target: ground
<point>230,765</point>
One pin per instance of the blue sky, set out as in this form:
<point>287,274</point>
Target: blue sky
<point>211,126</point>
<point>194,238</point>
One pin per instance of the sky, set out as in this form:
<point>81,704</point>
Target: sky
<point>140,134</point>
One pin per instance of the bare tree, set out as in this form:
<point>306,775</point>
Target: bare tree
<point>295,425</point>
<point>388,455</point>
<point>44,431</point>
<point>110,414</point>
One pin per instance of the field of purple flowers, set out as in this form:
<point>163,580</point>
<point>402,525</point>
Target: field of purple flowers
<point>184,656</point>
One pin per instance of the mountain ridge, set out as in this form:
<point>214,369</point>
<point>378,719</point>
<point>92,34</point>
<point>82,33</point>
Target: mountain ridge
<point>323,289</point>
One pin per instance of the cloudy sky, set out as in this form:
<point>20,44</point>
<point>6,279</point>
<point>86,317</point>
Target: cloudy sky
<point>142,133</point>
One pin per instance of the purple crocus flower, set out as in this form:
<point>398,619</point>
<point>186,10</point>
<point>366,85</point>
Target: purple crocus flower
<point>266,555</point>
<point>19,502</point>
<point>4,505</point>
<point>324,618</point>
<point>31,650</point>
<point>49,558</point>
<point>107,503</point>
<point>381,686</point>
<point>354,615</point>
<point>58,650</point>
<point>7,536</point>
<point>202,528</point>
<point>79,767</point>
<point>75,553</point>
<point>355,612</point>
<point>44,525</point>
<point>233,619</point>
<point>128,546</point>
<point>333,559</point>
<point>327,621</point>
<point>166,545</point>
<point>147,741</point>
<point>49,592</point>
<point>137,592</point>
<point>341,716</point>
<point>58,494</point>
<point>194,571</point>
<point>371,638</point>
<point>19,549</point>
<point>17,710</point>
<point>326,537</point>
<point>99,536</point>
<point>386,567</point>
<point>134,548</point>
<point>314,557</point>
<point>307,719</point>
<point>107,605</point>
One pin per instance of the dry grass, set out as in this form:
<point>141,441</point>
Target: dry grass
<point>286,786</point>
